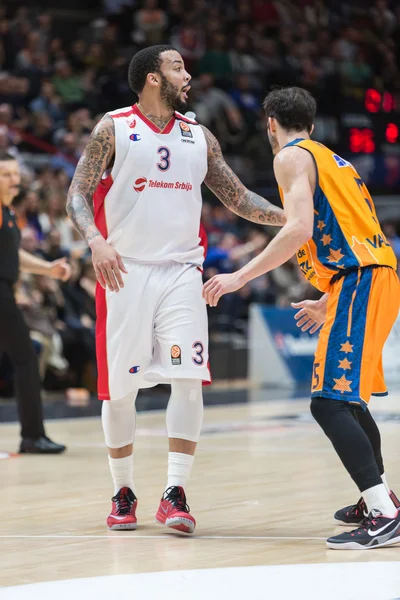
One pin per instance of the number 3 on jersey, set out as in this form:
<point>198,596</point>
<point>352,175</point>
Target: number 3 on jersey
<point>165,154</point>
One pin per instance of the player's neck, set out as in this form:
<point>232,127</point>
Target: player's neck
<point>286,137</point>
<point>155,110</point>
<point>6,200</point>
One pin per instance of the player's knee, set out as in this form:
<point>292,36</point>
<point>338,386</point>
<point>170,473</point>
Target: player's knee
<point>119,419</point>
<point>185,409</point>
<point>323,409</point>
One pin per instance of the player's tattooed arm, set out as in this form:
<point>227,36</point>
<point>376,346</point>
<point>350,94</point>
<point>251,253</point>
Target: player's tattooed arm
<point>226,185</point>
<point>95,159</point>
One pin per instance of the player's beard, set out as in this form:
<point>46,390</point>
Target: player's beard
<point>171,95</point>
<point>273,140</point>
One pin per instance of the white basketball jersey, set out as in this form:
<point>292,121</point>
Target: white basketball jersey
<point>149,206</point>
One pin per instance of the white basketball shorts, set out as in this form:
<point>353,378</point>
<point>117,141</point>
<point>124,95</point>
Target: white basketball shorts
<point>151,331</point>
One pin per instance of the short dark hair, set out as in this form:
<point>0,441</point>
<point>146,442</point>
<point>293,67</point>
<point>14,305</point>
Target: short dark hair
<point>144,62</point>
<point>4,155</point>
<point>294,108</point>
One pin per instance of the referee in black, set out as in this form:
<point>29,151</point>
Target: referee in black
<point>14,334</point>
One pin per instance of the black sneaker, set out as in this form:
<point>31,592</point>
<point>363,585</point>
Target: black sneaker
<point>42,445</point>
<point>356,513</point>
<point>376,531</point>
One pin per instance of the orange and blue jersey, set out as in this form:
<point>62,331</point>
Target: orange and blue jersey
<point>349,257</point>
<point>346,229</point>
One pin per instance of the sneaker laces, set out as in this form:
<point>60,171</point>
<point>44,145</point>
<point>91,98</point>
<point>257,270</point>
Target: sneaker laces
<point>123,502</point>
<point>176,496</point>
<point>371,519</point>
<point>358,508</point>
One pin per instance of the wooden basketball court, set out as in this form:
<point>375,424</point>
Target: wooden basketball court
<point>264,489</point>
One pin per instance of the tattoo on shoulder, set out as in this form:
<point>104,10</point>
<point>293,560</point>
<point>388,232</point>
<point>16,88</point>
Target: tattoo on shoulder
<point>226,185</point>
<point>96,157</point>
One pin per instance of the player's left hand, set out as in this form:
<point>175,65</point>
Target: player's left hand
<point>59,269</point>
<point>219,285</point>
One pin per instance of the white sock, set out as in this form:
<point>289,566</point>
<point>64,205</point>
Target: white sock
<point>377,498</point>
<point>385,483</point>
<point>179,468</point>
<point>122,472</point>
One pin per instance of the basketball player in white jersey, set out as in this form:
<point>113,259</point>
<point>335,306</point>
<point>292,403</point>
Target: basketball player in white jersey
<point>142,170</point>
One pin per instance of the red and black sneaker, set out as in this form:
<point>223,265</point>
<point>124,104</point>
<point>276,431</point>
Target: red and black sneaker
<point>123,512</point>
<point>174,511</point>
<point>356,513</point>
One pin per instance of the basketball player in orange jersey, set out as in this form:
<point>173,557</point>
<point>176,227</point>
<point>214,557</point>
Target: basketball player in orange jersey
<point>143,169</point>
<point>333,228</point>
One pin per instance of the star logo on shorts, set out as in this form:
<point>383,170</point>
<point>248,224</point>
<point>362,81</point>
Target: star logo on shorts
<point>347,347</point>
<point>342,385</point>
<point>344,364</point>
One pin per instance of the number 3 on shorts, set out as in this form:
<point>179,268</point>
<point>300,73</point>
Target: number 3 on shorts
<point>198,354</point>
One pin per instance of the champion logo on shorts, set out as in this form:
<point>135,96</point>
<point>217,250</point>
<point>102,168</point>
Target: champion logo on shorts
<point>134,369</point>
<point>176,355</point>
<point>135,137</point>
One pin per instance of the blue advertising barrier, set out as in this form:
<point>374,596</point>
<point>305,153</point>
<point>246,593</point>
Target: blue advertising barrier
<point>280,353</point>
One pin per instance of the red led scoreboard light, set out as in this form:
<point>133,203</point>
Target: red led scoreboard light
<point>371,126</point>
<point>376,101</point>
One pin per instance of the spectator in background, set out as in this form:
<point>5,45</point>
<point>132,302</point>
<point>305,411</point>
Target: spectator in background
<point>67,158</point>
<point>241,56</point>
<point>67,85</point>
<point>52,248</point>
<point>55,217</point>
<point>79,318</point>
<point>248,102</point>
<point>317,14</point>
<point>189,42</point>
<point>28,221</point>
<point>383,18</point>
<point>356,73</point>
<point>268,57</point>
<point>77,54</point>
<point>150,23</point>
<point>48,102</point>
<point>212,105</point>
<point>392,236</point>
<point>216,60</point>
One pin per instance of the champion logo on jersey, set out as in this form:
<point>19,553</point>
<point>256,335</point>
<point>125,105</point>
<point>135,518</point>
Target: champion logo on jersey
<point>134,370</point>
<point>140,184</point>
<point>185,130</point>
<point>135,137</point>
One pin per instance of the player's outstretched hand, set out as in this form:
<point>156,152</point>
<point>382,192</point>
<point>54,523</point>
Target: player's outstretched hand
<point>219,285</point>
<point>311,315</point>
<point>107,264</point>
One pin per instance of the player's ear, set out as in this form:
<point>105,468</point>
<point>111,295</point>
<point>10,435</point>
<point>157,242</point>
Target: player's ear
<point>152,79</point>
<point>312,128</point>
<point>271,124</point>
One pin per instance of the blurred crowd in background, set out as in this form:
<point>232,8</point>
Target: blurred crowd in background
<point>64,65</point>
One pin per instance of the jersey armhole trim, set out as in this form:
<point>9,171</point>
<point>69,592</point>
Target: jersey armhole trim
<point>317,186</point>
